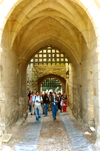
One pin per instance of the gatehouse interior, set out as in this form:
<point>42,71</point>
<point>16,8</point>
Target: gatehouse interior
<point>44,39</point>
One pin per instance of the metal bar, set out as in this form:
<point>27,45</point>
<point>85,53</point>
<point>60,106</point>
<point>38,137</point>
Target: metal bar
<point>53,57</point>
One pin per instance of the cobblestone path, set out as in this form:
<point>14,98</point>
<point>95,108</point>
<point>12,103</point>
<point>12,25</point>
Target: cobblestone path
<point>64,134</point>
<point>79,142</point>
<point>25,137</point>
<point>54,136</point>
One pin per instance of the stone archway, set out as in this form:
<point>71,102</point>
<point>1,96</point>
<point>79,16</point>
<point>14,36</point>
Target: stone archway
<point>60,79</point>
<point>87,6</point>
<point>25,26</point>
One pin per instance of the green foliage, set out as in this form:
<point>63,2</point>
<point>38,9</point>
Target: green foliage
<point>49,88</point>
<point>51,83</point>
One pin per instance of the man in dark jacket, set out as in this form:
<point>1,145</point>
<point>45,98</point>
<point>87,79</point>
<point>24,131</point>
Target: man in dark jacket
<point>59,106</point>
<point>46,103</point>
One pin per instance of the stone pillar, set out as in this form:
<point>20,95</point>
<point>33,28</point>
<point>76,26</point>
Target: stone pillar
<point>90,99</point>
<point>2,116</point>
<point>70,87</point>
<point>80,92</point>
<point>22,90</point>
<point>67,81</point>
<point>63,88</point>
<point>96,147</point>
<point>0,100</point>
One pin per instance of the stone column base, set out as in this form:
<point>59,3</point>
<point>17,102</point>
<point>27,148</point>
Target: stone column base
<point>1,143</point>
<point>96,146</point>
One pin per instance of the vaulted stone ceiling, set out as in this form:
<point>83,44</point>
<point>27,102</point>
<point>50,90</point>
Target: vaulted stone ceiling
<point>36,23</point>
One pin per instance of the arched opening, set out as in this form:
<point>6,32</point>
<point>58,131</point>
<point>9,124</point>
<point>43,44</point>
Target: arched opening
<point>47,62</point>
<point>51,84</point>
<point>73,27</point>
<point>59,78</point>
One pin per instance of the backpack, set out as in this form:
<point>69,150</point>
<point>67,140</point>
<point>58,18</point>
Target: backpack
<point>35,99</point>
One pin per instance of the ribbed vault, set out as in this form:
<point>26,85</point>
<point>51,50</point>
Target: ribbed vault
<point>72,26</point>
<point>34,24</point>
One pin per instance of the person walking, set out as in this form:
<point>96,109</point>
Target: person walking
<point>30,102</point>
<point>54,104</point>
<point>33,97</point>
<point>64,102</point>
<point>59,106</point>
<point>50,95</point>
<point>37,101</point>
<point>29,95</point>
<point>42,105</point>
<point>46,103</point>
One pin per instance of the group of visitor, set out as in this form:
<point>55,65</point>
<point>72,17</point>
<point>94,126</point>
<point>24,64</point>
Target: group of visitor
<point>39,103</point>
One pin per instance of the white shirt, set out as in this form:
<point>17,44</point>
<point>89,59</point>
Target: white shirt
<point>33,97</point>
<point>39,98</point>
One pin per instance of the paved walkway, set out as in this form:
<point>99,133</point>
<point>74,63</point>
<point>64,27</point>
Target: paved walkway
<point>54,136</point>
<point>64,134</point>
<point>79,142</point>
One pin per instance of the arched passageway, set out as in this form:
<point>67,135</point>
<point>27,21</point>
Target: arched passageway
<point>60,79</point>
<point>74,28</point>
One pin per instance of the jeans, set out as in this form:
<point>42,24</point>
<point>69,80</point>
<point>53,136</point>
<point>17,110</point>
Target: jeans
<point>54,110</point>
<point>45,108</point>
<point>31,108</point>
<point>37,112</point>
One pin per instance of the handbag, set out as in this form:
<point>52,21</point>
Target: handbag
<point>64,105</point>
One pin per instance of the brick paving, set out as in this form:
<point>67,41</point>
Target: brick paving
<point>64,134</point>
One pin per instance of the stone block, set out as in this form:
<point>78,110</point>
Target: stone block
<point>29,7</point>
<point>91,8</point>
<point>6,138</point>
<point>95,20</point>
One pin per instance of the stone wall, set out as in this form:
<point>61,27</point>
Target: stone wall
<point>43,70</point>
<point>89,83</point>
<point>70,81</point>
<point>75,86</point>
<point>10,99</point>
<point>38,71</point>
<point>83,87</point>
<point>13,85</point>
<point>32,78</point>
<point>25,27</point>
